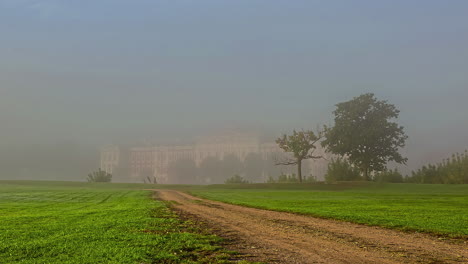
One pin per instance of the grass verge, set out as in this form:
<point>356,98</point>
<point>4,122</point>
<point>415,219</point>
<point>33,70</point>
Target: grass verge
<point>95,223</point>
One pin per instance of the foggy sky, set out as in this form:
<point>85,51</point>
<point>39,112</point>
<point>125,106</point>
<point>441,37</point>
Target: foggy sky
<point>110,71</point>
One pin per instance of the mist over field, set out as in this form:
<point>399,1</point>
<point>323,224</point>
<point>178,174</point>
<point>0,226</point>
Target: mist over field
<point>78,75</point>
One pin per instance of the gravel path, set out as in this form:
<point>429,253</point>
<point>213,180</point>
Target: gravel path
<point>278,237</point>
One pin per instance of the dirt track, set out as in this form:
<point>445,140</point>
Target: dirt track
<point>277,237</point>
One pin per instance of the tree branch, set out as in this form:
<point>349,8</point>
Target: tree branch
<point>313,157</point>
<point>285,161</point>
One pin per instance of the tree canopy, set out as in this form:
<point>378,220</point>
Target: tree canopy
<point>366,134</point>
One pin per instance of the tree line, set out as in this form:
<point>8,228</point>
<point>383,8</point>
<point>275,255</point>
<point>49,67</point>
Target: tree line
<point>363,139</point>
<point>451,170</point>
<point>365,135</point>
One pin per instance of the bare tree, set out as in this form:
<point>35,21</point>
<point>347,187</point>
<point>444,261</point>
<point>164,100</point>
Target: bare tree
<point>302,145</point>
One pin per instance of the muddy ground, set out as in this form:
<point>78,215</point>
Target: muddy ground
<point>278,237</point>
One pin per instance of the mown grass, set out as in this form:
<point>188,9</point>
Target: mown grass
<point>438,209</point>
<point>65,222</point>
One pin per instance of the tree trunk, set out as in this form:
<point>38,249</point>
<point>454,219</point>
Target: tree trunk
<point>299,170</point>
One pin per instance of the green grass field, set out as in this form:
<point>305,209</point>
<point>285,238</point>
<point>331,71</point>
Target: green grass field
<point>439,209</point>
<point>60,222</point>
<point>66,222</point>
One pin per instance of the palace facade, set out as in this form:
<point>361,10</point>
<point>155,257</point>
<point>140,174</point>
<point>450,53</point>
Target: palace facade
<point>135,163</point>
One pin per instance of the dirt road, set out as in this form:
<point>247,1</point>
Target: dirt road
<point>277,237</point>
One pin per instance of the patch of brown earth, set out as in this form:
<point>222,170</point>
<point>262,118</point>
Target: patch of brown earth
<point>278,237</point>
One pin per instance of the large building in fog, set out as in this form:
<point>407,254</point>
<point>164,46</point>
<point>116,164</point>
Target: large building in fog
<point>138,162</point>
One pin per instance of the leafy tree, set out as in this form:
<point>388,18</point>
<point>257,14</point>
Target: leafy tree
<point>99,176</point>
<point>236,179</point>
<point>340,169</point>
<point>365,133</point>
<point>301,144</point>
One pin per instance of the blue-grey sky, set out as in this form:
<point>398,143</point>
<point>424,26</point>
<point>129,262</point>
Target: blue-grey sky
<point>101,71</point>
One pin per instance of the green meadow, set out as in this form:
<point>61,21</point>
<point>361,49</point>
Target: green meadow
<point>64,222</point>
<point>433,208</point>
<point>69,222</point>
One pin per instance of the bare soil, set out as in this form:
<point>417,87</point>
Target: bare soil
<point>278,237</point>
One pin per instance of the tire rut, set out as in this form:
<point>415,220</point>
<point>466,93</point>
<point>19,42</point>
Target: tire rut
<point>279,237</point>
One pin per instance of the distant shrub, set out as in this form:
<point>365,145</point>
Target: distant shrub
<point>310,179</point>
<point>450,171</point>
<point>284,178</point>
<point>389,176</point>
<point>99,176</point>
<point>150,180</point>
<point>235,179</point>
<point>271,179</point>
<point>340,169</point>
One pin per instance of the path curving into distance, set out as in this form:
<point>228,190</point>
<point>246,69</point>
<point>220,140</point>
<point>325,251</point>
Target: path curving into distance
<point>279,237</point>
